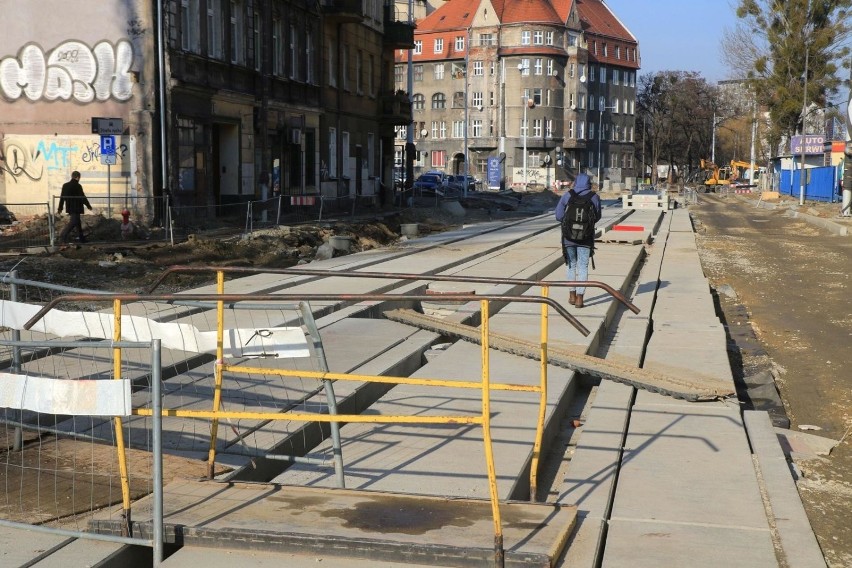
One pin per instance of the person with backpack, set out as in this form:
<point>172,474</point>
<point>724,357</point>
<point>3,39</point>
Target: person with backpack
<point>577,212</point>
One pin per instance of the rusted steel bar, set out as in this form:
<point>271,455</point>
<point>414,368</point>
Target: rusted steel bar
<point>277,298</point>
<point>399,276</point>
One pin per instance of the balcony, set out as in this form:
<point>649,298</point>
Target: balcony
<point>342,11</point>
<point>396,108</point>
<point>399,34</point>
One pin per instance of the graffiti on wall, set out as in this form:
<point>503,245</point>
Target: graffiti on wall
<point>72,71</point>
<point>34,167</point>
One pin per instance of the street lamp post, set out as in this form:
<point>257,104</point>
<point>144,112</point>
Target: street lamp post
<point>804,132</point>
<point>600,138</point>
<point>528,103</point>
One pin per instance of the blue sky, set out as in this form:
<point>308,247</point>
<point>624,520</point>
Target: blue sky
<point>682,35</point>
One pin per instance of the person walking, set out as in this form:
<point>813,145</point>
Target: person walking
<point>73,200</point>
<point>577,211</point>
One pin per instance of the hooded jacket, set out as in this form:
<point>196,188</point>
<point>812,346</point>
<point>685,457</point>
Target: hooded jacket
<point>582,187</point>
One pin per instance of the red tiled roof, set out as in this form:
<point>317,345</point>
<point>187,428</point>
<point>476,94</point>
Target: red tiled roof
<point>527,11</point>
<point>563,8</point>
<point>597,18</point>
<point>454,15</point>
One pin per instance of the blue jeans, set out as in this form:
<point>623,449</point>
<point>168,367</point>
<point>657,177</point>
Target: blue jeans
<point>578,265</point>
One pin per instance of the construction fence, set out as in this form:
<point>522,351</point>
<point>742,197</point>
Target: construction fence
<point>239,376</point>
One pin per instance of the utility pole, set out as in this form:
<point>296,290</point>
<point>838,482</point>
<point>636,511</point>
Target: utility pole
<point>804,128</point>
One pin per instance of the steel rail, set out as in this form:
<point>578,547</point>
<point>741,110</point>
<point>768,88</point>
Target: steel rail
<point>399,276</point>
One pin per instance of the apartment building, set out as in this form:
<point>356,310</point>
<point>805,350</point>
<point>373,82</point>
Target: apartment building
<point>221,101</point>
<point>522,92</point>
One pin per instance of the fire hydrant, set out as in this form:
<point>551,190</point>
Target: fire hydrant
<point>126,225</point>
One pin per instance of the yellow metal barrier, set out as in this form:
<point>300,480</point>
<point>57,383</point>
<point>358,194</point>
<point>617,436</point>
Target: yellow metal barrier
<point>216,413</point>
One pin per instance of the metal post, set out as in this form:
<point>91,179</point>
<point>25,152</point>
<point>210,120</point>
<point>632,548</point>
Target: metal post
<point>322,363</point>
<point>713,141</point>
<point>804,129</point>
<point>600,136</point>
<point>466,102</point>
<point>524,159</point>
<point>752,151</point>
<point>18,442</point>
<point>157,442</point>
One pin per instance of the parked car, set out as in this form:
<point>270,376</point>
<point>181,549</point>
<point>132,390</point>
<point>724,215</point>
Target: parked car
<point>430,182</point>
<point>458,182</point>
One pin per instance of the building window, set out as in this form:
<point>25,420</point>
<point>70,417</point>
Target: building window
<point>571,100</point>
<point>418,102</point>
<point>539,66</point>
<point>458,129</point>
<point>332,62</point>
<point>332,153</point>
<point>439,45</point>
<point>613,162</point>
<point>605,50</point>
<point>591,131</point>
<point>371,75</point>
<point>401,134</point>
<point>548,128</point>
<point>594,47</point>
<point>522,131</point>
<point>439,71</point>
<point>486,40</point>
<point>418,47</point>
<point>532,158</point>
<point>570,129</point>
<point>277,66</point>
<point>525,67</point>
<point>458,99</point>
<point>418,72</point>
<point>344,63</point>
<point>537,125</point>
<point>310,57</point>
<point>189,36</point>
<point>344,154</point>
<point>439,158</point>
<point>439,101</point>
<point>477,99</point>
<point>525,37</point>
<point>581,130</point>
<point>615,74</point>
<point>237,27</point>
<point>478,68</point>
<point>459,43</point>
<point>215,19</point>
<point>618,52</point>
<point>571,69</point>
<point>538,37</point>
<point>476,128</point>
<point>616,105</point>
<point>572,40</point>
<point>534,94</point>
<point>186,134</point>
<point>602,103</point>
<point>548,38</point>
<point>294,53</point>
<point>257,41</point>
<point>359,72</point>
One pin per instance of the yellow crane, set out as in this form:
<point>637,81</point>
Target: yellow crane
<point>739,169</point>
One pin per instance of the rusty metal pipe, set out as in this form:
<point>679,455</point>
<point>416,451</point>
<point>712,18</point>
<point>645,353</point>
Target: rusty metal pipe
<point>398,276</point>
<point>274,298</point>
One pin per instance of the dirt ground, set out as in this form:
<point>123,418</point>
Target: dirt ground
<point>103,264</point>
<point>784,288</point>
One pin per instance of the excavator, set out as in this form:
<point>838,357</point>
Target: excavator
<point>714,175</point>
<point>739,172</point>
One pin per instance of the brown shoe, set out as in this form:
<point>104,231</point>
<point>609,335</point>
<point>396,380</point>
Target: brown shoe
<point>579,302</point>
<point>572,297</point>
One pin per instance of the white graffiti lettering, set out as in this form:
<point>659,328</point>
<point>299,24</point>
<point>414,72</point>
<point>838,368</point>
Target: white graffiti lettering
<point>72,71</point>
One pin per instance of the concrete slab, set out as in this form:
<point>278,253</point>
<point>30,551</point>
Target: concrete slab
<point>366,525</point>
<point>656,543</point>
<point>799,545</point>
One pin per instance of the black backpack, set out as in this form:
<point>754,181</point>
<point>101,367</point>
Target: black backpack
<point>578,223</point>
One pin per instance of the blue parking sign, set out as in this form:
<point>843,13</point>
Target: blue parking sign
<point>108,145</point>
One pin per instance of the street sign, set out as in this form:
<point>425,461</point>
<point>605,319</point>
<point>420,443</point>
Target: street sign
<point>107,126</point>
<point>108,145</point>
<point>108,159</point>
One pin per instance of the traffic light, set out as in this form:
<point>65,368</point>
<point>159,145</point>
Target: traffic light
<point>560,157</point>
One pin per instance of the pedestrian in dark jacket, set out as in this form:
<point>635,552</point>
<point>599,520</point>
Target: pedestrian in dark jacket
<point>73,200</point>
<point>577,254</point>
